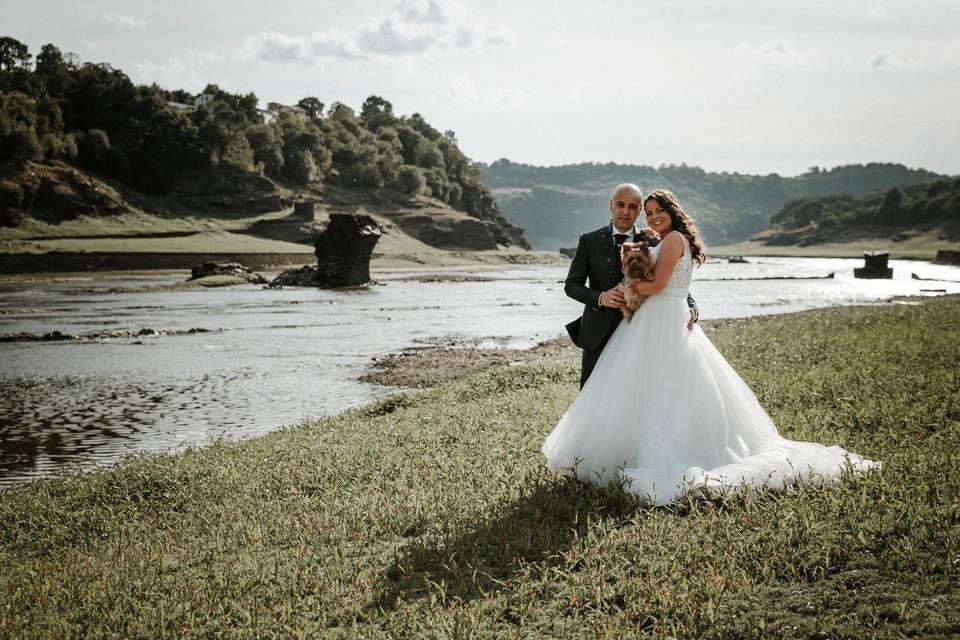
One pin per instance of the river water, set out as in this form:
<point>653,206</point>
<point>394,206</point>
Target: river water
<point>271,358</point>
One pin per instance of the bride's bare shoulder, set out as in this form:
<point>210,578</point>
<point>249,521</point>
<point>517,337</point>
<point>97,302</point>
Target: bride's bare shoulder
<point>673,239</point>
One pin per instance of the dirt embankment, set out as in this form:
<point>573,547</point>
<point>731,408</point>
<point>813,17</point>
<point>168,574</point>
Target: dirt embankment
<point>429,366</point>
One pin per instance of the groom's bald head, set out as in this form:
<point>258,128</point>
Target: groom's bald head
<point>624,188</point>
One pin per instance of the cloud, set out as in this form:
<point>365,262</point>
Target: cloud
<point>174,74</point>
<point>182,72</point>
<point>390,38</point>
<point>271,46</point>
<point>410,28</point>
<point>465,90</point>
<point>415,11</point>
<point>882,59</point>
<point>497,41</point>
<point>123,22</point>
<point>781,53</point>
<point>876,12</point>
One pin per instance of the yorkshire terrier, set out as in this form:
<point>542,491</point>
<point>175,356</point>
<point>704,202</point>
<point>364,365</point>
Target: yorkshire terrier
<point>637,267</point>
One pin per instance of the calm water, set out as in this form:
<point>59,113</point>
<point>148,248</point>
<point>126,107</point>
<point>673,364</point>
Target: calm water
<point>274,357</point>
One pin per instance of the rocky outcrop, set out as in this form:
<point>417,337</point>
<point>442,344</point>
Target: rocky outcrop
<point>343,254</point>
<point>56,192</point>
<point>449,231</point>
<point>234,269</point>
<point>948,256</point>
<point>438,225</point>
<point>226,191</point>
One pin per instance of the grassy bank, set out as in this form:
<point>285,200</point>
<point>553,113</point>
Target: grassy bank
<point>431,515</point>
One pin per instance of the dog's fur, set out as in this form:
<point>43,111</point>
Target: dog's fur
<point>637,267</point>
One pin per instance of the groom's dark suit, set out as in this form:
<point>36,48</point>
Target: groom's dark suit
<point>597,260</point>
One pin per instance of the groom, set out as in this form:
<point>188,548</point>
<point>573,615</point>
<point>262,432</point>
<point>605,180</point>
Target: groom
<point>598,260</point>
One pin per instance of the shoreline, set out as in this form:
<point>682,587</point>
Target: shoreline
<point>440,261</point>
<point>426,367</point>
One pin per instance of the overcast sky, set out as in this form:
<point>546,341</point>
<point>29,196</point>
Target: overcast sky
<point>757,86</point>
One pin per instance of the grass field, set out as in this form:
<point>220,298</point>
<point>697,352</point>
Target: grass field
<point>431,515</point>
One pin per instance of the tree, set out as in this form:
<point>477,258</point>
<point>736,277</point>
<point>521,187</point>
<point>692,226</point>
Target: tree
<point>267,148</point>
<point>429,156</point>
<point>13,54</point>
<point>410,179</point>
<point>340,111</point>
<point>301,168</point>
<point>375,105</point>
<point>18,135</point>
<point>312,106</point>
<point>52,69</point>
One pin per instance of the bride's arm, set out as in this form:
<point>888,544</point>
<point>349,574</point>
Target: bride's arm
<point>669,257</point>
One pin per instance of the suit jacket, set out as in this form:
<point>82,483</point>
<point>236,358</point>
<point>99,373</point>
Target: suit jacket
<point>596,261</point>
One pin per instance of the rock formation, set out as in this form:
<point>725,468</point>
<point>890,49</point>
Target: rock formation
<point>343,254</point>
<point>226,269</point>
<point>226,191</point>
<point>56,192</point>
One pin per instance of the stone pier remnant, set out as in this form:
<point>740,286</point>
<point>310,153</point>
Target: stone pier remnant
<point>343,252</point>
<point>948,256</point>
<point>875,266</point>
<point>304,210</point>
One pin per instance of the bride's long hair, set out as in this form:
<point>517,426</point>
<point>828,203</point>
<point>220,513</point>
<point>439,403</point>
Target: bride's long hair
<point>681,222</point>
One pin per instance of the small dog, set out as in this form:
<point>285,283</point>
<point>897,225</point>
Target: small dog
<point>637,267</point>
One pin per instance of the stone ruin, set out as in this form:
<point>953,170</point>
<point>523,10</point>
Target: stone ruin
<point>343,252</point>
<point>875,266</point>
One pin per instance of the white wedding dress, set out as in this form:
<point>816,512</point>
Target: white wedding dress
<point>664,413</point>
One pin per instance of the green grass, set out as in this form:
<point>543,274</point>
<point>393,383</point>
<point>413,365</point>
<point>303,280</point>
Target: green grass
<point>431,515</point>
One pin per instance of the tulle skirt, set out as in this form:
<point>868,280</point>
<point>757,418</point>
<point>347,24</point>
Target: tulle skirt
<point>663,413</point>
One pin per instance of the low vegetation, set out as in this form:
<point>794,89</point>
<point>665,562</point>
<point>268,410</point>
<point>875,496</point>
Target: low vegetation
<point>430,515</point>
<point>907,207</point>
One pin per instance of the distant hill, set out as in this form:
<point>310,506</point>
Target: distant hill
<point>898,213</point>
<point>553,205</point>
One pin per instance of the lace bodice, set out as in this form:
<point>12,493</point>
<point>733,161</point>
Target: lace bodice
<point>679,284</point>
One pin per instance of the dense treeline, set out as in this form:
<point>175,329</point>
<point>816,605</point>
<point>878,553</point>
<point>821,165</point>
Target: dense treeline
<point>555,204</point>
<point>912,205</point>
<point>54,107</point>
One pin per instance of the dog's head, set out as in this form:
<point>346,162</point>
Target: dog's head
<point>636,261</point>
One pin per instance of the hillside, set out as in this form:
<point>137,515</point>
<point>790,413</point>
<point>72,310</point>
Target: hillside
<point>898,219</point>
<point>555,204</point>
<point>81,141</point>
<point>53,206</point>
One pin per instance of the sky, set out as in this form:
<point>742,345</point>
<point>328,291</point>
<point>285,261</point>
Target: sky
<point>754,86</point>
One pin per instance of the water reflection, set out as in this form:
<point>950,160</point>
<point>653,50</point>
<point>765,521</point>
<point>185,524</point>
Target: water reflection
<point>275,357</point>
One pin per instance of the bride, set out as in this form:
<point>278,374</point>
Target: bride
<point>663,413</point>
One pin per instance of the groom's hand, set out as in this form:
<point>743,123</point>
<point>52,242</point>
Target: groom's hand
<point>612,298</point>
<point>693,320</point>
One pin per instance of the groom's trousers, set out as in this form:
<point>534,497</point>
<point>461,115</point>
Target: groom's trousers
<point>588,359</point>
